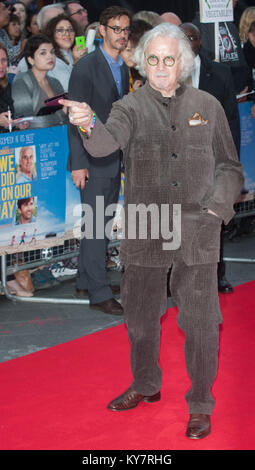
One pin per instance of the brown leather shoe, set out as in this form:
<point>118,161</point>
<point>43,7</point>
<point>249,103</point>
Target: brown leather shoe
<point>199,426</point>
<point>110,306</point>
<point>130,399</point>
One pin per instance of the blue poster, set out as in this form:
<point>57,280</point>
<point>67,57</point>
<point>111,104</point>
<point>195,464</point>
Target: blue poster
<point>33,188</point>
<point>247,154</point>
<point>39,204</point>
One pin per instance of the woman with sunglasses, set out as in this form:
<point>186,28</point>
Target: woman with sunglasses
<point>30,89</point>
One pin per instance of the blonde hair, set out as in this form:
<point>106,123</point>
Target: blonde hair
<point>248,16</point>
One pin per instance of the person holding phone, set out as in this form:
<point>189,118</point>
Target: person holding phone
<point>30,89</point>
<point>62,32</point>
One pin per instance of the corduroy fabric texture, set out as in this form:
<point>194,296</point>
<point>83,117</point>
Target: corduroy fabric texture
<point>194,288</point>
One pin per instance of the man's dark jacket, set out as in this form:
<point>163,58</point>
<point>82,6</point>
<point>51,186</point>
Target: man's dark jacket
<point>92,82</point>
<point>216,79</point>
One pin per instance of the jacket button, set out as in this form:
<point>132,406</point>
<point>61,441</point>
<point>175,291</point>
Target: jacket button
<point>173,127</point>
<point>175,183</point>
<point>174,155</point>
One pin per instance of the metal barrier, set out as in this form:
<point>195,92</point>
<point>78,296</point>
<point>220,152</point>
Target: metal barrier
<point>243,208</point>
<point>10,264</point>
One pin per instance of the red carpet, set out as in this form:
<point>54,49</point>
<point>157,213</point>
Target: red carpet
<point>56,398</point>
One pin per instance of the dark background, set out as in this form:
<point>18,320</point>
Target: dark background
<point>185,9</point>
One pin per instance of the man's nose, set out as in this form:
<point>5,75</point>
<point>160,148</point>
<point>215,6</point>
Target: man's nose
<point>161,65</point>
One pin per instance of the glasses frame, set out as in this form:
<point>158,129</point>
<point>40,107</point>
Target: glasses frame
<point>79,12</point>
<point>127,29</point>
<point>62,31</point>
<point>164,60</point>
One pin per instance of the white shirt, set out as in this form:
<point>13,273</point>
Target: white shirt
<point>195,74</point>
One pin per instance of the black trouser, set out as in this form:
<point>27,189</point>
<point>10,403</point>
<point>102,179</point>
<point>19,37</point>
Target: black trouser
<point>92,257</point>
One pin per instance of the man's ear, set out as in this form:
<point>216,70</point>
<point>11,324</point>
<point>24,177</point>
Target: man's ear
<point>102,30</point>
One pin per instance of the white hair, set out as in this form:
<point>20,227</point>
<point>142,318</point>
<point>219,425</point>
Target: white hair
<point>40,15</point>
<point>170,31</point>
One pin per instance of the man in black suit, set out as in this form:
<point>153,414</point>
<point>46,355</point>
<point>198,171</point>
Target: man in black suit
<point>216,79</point>
<point>100,78</point>
<point>230,49</point>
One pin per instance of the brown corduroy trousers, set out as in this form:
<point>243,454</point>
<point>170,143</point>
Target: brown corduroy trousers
<point>144,299</point>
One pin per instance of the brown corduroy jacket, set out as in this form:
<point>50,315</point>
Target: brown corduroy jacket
<point>176,150</point>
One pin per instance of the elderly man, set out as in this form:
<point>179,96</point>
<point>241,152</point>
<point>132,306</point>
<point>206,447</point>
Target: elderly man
<point>26,172</point>
<point>178,149</point>
<point>48,12</point>
<point>216,79</point>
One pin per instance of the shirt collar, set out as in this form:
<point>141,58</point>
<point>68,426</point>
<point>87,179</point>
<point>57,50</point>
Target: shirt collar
<point>179,91</point>
<point>109,58</point>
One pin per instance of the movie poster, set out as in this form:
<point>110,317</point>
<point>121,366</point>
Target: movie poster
<point>39,204</point>
<point>33,188</point>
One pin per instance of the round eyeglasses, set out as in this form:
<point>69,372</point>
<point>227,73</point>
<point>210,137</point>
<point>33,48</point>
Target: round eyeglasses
<point>168,61</point>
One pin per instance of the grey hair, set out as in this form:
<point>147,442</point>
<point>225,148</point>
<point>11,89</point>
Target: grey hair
<point>173,32</point>
<point>150,17</point>
<point>39,19</point>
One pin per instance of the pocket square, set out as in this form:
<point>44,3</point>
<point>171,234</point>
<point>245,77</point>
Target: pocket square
<point>197,120</point>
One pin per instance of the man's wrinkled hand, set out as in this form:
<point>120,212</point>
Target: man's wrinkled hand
<point>80,114</point>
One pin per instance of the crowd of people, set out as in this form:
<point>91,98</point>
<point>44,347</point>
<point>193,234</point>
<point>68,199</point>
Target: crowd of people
<point>21,22</point>
<point>159,67</point>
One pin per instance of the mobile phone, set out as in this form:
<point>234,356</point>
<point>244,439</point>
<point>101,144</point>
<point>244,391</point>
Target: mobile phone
<point>80,41</point>
<point>54,101</point>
